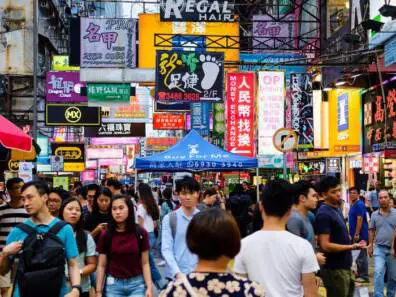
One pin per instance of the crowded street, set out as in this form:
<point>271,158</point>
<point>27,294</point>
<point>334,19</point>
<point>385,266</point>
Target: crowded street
<point>198,148</point>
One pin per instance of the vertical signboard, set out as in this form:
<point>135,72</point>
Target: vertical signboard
<point>200,117</point>
<point>342,113</point>
<point>302,109</point>
<point>218,124</point>
<point>271,109</point>
<point>240,113</point>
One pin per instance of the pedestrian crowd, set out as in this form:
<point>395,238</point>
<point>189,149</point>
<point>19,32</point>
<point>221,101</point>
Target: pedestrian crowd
<point>102,240</point>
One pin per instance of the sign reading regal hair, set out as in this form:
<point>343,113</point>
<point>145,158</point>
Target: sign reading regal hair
<point>197,10</point>
<point>183,76</point>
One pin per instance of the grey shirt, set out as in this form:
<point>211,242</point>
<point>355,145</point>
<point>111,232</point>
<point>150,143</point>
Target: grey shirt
<point>383,226</point>
<point>301,226</point>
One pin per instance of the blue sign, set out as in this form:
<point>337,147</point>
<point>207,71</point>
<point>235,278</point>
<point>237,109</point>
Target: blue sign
<point>188,42</point>
<point>342,112</point>
<point>200,117</point>
<point>390,52</point>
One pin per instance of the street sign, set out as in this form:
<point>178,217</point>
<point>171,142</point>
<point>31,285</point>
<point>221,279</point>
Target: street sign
<point>285,140</point>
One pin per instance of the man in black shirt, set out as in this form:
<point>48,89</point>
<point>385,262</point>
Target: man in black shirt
<point>334,241</point>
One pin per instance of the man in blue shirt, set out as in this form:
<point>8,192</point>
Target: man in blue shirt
<point>358,229</point>
<point>179,259</point>
<point>35,196</point>
<point>373,197</point>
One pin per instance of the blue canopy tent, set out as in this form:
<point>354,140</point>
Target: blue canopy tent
<point>194,153</point>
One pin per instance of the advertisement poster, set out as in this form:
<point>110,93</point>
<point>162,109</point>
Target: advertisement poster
<point>302,109</point>
<point>64,87</point>
<point>271,109</point>
<point>200,117</point>
<point>168,121</point>
<point>108,43</point>
<point>26,171</point>
<point>240,113</point>
<point>183,76</point>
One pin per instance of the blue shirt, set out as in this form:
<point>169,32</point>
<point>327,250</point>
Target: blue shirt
<point>358,209</point>
<point>373,197</point>
<point>174,250</point>
<point>66,234</point>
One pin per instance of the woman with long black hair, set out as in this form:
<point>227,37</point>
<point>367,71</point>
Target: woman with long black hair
<point>71,212</point>
<point>147,216</point>
<point>123,254</point>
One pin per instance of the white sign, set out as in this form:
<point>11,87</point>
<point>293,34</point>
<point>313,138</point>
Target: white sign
<point>57,163</point>
<point>271,109</point>
<point>108,153</point>
<point>108,43</point>
<point>26,171</point>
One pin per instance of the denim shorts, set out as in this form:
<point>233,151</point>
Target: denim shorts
<point>129,287</point>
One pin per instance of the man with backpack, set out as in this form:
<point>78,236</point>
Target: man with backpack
<point>44,245</point>
<point>179,259</point>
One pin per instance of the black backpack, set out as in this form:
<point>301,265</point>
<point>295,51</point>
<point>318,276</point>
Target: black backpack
<point>41,268</point>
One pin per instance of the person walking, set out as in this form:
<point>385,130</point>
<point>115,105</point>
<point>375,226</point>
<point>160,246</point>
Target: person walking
<point>147,216</point>
<point>358,230</point>
<point>209,199</point>
<point>123,266</point>
<point>382,227</point>
<point>373,197</point>
<point>334,241</point>
<point>55,198</point>
<point>12,213</point>
<point>179,259</point>
<point>71,212</point>
<point>282,262</point>
<point>35,234</point>
<point>210,277</point>
<point>238,204</point>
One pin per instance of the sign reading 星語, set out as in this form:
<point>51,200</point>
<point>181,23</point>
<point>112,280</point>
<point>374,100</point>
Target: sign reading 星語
<point>240,113</point>
<point>189,76</point>
<point>197,11</point>
<point>108,43</point>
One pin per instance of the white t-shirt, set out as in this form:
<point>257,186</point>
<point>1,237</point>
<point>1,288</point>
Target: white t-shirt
<point>276,259</point>
<point>148,220</point>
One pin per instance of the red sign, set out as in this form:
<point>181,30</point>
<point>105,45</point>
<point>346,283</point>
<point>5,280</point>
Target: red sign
<point>160,143</point>
<point>169,121</point>
<point>240,113</point>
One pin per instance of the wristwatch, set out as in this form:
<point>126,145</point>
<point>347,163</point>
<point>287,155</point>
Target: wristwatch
<point>78,287</point>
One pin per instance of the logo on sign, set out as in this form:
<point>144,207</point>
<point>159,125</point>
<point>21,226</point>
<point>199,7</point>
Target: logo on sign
<point>13,165</point>
<point>73,114</point>
<point>343,112</point>
<point>69,153</point>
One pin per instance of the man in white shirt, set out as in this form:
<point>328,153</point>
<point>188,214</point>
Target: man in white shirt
<point>282,262</point>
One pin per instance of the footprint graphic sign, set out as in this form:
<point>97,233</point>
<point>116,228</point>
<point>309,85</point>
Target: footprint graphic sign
<point>184,76</point>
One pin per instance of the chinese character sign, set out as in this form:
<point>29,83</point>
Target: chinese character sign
<point>108,43</point>
<point>271,109</point>
<point>64,87</point>
<point>302,109</point>
<point>168,121</point>
<point>200,117</point>
<point>189,76</point>
<point>240,113</point>
<point>108,94</point>
<point>342,112</point>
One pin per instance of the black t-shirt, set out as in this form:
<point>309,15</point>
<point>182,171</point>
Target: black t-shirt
<point>330,221</point>
<point>92,221</point>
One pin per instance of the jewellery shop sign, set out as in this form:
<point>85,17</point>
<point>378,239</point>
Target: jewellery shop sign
<point>189,76</point>
<point>72,115</point>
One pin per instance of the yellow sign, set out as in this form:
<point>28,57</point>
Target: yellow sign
<point>73,114</point>
<point>156,35</point>
<point>61,63</point>
<point>13,165</point>
<point>61,182</point>
<point>73,167</point>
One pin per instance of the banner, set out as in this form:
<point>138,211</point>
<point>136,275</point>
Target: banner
<point>71,115</point>
<point>197,11</point>
<point>73,155</point>
<point>116,130</point>
<point>240,113</point>
<point>271,109</point>
<point>64,87</point>
<point>108,43</point>
<point>168,121</point>
<point>200,117</point>
<point>108,94</point>
<point>302,109</point>
<point>189,76</point>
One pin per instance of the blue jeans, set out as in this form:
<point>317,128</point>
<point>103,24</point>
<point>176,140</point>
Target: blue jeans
<point>129,287</point>
<point>362,264</point>
<point>159,282</point>
<point>383,259</point>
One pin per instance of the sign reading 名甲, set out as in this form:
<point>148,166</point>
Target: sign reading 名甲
<point>189,76</point>
<point>240,113</point>
<point>64,87</point>
<point>108,94</point>
<point>116,130</point>
<point>72,115</point>
<point>197,10</point>
<point>109,43</point>
<point>285,140</point>
<point>168,121</point>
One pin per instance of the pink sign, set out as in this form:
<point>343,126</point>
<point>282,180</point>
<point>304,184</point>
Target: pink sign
<point>99,153</point>
<point>88,175</point>
<point>114,140</point>
<point>64,87</point>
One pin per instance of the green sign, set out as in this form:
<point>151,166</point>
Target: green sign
<point>108,94</point>
<point>218,124</point>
